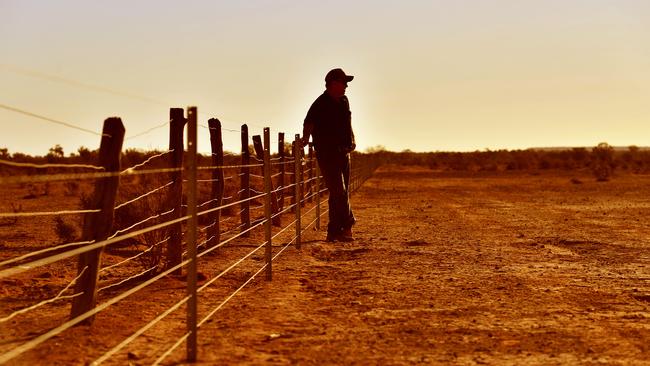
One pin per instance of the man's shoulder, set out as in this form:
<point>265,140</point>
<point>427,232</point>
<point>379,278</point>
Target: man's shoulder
<point>323,98</point>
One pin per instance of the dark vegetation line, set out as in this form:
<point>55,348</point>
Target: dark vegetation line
<point>602,159</point>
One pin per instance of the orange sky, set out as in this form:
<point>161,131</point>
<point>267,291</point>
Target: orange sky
<point>429,75</point>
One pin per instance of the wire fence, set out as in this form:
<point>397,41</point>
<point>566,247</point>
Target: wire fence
<point>175,207</point>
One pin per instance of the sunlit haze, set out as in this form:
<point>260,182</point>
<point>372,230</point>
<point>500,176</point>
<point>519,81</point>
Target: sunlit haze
<point>429,75</point>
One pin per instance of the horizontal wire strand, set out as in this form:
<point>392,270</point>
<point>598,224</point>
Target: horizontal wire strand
<point>147,131</point>
<point>140,331</point>
<point>45,166</point>
<point>60,296</point>
<point>133,257</point>
<point>140,223</point>
<point>52,120</point>
<point>143,195</point>
<point>55,258</point>
<point>136,166</point>
<point>31,254</point>
<point>53,332</point>
<point>126,279</point>
<point>46,213</point>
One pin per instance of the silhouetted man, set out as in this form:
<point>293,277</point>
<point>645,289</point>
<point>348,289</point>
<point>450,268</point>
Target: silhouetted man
<point>329,122</point>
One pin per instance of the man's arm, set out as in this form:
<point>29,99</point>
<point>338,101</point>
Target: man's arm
<point>307,129</point>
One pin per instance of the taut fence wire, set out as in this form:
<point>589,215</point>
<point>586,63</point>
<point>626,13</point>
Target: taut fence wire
<point>175,208</point>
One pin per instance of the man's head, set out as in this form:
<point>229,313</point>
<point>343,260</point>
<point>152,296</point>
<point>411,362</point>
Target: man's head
<point>336,81</point>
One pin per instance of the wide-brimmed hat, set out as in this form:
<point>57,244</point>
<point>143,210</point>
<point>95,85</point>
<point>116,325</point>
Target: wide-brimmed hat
<point>338,74</point>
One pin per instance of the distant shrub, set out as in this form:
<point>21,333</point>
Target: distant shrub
<point>603,161</point>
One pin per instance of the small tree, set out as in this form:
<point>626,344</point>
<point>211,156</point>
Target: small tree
<point>55,154</point>
<point>603,161</point>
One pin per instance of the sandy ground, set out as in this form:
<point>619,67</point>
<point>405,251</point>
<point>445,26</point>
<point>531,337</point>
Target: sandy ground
<point>497,269</point>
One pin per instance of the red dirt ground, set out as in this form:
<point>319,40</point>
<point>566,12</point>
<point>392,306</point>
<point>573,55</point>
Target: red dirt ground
<point>448,268</point>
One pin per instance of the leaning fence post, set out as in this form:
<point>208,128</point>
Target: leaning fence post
<point>297,147</point>
<point>268,198</point>
<point>97,225</point>
<point>191,233</point>
<point>176,126</point>
<point>244,191</point>
<point>216,142</point>
<point>281,179</point>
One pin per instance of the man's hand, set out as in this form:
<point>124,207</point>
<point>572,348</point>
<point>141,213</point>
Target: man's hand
<point>304,141</point>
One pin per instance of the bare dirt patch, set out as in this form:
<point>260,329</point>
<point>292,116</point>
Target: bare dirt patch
<point>491,268</point>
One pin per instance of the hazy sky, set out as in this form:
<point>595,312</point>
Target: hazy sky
<point>429,75</point>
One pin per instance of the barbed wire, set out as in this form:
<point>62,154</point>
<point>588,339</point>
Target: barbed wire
<point>133,257</point>
<point>70,323</point>
<point>143,195</point>
<point>140,223</point>
<point>51,120</point>
<point>126,279</point>
<point>78,176</point>
<point>147,131</point>
<point>146,161</point>
<point>155,227</point>
<point>46,213</point>
<point>222,128</point>
<point>101,244</point>
<point>50,165</point>
<point>140,331</point>
<point>225,301</point>
<point>50,77</point>
<point>229,204</point>
<point>229,166</point>
<point>219,245</point>
<point>212,180</point>
<point>220,221</point>
<point>31,254</point>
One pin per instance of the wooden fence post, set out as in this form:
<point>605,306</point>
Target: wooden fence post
<point>216,142</point>
<point>310,167</point>
<point>317,196</point>
<point>97,225</point>
<point>301,154</point>
<point>268,198</point>
<point>259,152</point>
<point>191,233</point>
<point>297,147</point>
<point>294,177</point>
<point>244,192</point>
<point>175,244</point>
<point>281,178</point>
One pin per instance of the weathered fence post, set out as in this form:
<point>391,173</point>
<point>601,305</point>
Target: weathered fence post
<point>216,142</point>
<point>310,167</point>
<point>259,152</point>
<point>174,245</point>
<point>294,177</point>
<point>281,179</point>
<point>301,154</point>
<point>268,198</point>
<point>317,196</point>
<point>97,225</point>
<point>244,192</point>
<point>297,147</point>
<point>191,233</point>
